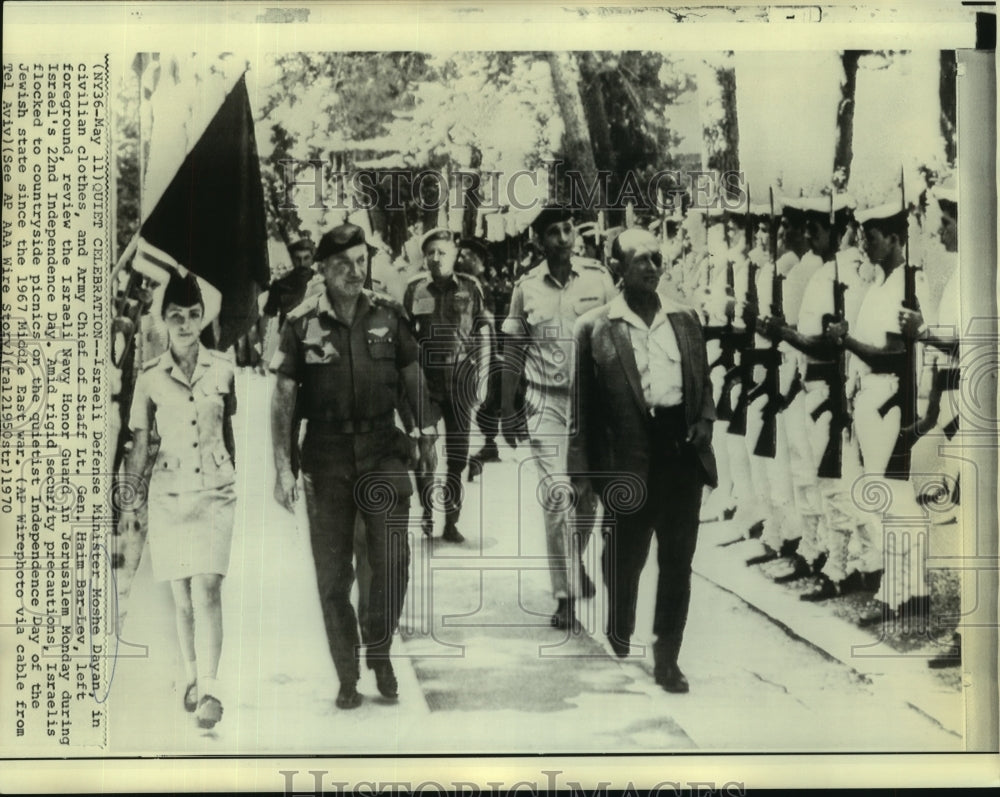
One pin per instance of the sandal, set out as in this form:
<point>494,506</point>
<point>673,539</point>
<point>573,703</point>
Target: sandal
<point>191,696</point>
<point>209,711</point>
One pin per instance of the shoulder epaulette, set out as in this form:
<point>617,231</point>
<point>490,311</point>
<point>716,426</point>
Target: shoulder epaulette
<point>591,264</point>
<point>383,300</point>
<point>307,305</point>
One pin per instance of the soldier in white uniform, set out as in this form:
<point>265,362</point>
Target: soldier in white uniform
<point>829,535</point>
<point>876,342</point>
<point>543,310</point>
<point>809,289</point>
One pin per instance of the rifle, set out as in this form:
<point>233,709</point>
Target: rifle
<point>834,373</point>
<point>905,396</point>
<point>767,443</point>
<point>749,356</point>
<point>729,340</point>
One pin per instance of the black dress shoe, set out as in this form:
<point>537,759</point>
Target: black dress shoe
<point>825,589</point>
<point>564,617</point>
<point>488,453</point>
<point>769,555</point>
<point>756,530</point>
<point>587,589</point>
<point>671,679</point>
<point>620,647</point>
<point>853,583</point>
<point>385,678</point>
<point>348,697</point>
<point>789,547</point>
<point>799,570</point>
<point>452,534</point>
<point>952,657</point>
<point>475,469</point>
<point>872,580</point>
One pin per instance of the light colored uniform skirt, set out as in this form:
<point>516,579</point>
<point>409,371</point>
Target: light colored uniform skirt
<point>191,533</point>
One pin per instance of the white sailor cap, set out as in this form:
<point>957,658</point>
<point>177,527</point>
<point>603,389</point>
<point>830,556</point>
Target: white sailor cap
<point>888,213</point>
<point>821,204</point>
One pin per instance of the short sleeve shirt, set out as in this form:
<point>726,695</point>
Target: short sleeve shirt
<point>546,311</point>
<point>345,372</point>
<point>188,418</point>
<point>879,313</point>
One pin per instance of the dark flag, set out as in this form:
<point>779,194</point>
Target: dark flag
<point>210,219</point>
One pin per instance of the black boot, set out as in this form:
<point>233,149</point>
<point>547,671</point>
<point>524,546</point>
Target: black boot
<point>853,583</point>
<point>825,588</point>
<point>564,616</point>
<point>349,697</point>
<point>488,453</point>
<point>769,555</point>
<point>800,569</point>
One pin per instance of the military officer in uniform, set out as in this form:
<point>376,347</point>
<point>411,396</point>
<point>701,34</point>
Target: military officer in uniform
<point>448,314</point>
<point>544,307</point>
<point>349,356</point>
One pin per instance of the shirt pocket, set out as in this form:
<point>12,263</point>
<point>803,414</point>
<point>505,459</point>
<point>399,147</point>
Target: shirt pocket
<point>381,347</point>
<point>320,353</point>
<point>539,312</point>
<point>167,476</point>
<point>219,468</point>
<point>585,304</point>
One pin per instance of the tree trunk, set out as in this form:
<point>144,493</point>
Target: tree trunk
<point>946,91</point>
<point>470,213</point>
<point>578,151</point>
<point>844,153</point>
<point>726,157</point>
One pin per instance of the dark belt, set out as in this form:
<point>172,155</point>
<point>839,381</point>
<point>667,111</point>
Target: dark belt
<point>670,419</point>
<point>329,425</point>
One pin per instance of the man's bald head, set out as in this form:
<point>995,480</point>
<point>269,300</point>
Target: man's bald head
<point>632,242</point>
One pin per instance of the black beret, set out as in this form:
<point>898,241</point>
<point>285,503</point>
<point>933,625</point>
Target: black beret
<point>340,239</point>
<point>552,213</point>
<point>182,291</point>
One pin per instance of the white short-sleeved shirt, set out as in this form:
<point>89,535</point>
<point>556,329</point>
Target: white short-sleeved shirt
<point>546,311</point>
<point>879,312</point>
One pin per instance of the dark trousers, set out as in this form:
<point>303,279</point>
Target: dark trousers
<point>457,425</point>
<point>332,509</point>
<point>670,510</point>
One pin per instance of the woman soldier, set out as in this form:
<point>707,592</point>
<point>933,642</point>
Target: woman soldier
<point>187,397</point>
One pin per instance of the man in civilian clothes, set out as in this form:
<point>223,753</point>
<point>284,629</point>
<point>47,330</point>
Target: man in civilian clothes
<point>646,412</point>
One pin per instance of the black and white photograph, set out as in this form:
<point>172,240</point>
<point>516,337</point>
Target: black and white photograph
<point>467,400</point>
